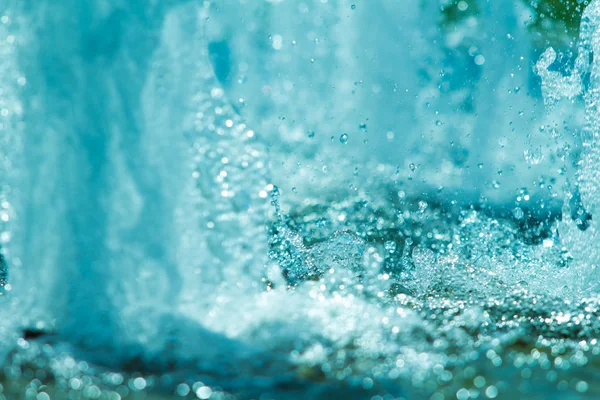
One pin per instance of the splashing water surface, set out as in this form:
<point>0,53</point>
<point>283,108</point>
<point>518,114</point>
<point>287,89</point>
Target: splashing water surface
<point>275,199</point>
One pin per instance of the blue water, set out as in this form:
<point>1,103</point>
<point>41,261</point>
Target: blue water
<point>278,199</point>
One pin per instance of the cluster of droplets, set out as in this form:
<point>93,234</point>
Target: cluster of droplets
<point>10,125</point>
<point>44,371</point>
<point>288,250</point>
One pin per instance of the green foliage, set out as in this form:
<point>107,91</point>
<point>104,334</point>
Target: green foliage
<point>456,11</point>
<point>554,22</point>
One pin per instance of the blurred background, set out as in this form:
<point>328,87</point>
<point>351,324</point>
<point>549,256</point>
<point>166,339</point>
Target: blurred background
<point>431,97</point>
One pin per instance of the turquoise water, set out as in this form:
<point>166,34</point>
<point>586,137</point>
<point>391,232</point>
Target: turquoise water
<point>298,200</point>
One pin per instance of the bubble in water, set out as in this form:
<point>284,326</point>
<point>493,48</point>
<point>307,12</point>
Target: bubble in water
<point>344,138</point>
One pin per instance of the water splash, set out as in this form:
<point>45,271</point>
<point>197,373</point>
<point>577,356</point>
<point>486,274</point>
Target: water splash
<point>143,198</point>
<point>582,81</point>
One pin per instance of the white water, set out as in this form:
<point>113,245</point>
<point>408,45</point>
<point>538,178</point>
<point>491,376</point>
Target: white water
<point>114,234</point>
<point>582,82</point>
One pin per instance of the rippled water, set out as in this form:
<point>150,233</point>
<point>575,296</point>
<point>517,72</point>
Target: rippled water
<point>299,200</point>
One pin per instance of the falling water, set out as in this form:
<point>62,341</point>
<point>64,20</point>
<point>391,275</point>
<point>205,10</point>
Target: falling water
<point>583,81</point>
<point>128,209</point>
<point>270,198</point>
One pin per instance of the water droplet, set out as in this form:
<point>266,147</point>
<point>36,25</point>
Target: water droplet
<point>344,138</point>
<point>390,247</point>
<point>204,392</point>
<point>533,156</point>
<point>491,392</point>
<point>183,389</point>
